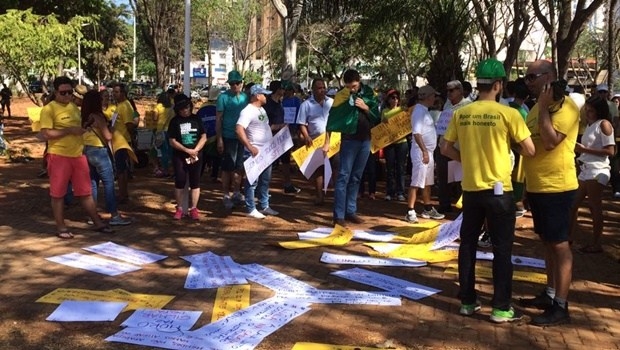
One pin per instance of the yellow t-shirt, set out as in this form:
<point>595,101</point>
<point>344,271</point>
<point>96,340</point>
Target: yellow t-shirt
<point>553,171</point>
<point>164,115</point>
<point>484,131</point>
<point>60,116</point>
<point>91,139</point>
<point>125,116</point>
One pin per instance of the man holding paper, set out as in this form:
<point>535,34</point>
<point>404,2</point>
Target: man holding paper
<point>312,120</point>
<point>253,131</point>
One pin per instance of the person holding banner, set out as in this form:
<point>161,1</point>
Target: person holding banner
<point>312,120</point>
<point>354,111</point>
<point>253,131</point>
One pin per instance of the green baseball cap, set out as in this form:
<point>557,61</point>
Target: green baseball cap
<point>234,76</point>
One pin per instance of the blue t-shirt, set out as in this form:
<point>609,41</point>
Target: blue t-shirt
<point>231,106</point>
<point>291,105</point>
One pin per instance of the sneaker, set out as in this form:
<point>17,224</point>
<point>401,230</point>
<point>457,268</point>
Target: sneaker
<point>401,198</point>
<point>119,221</point>
<point>519,213</point>
<point>228,203</point>
<point>501,316</point>
<point>237,199</point>
<point>291,189</point>
<point>256,214</point>
<point>470,309</point>
<point>484,241</point>
<point>178,215</point>
<point>269,211</point>
<point>388,198</point>
<point>616,194</point>
<point>432,214</point>
<point>552,316</point>
<point>542,301</point>
<point>411,216</point>
<point>193,213</point>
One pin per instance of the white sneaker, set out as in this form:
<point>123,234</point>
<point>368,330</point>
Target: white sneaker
<point>256,214</point>
<point>269,211</point>
<point>388,198</point>
<point>411,216</point>
<point>432,214</point>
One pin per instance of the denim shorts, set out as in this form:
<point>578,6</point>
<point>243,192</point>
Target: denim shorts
<point>232,159</point>
<point>552,214</point>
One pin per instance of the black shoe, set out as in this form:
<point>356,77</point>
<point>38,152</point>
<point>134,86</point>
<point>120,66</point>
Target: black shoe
<point>340,222</point>
<point>291,189</point>
<point>354,219</point>
<point>553,316</point>
<point>542,301</point>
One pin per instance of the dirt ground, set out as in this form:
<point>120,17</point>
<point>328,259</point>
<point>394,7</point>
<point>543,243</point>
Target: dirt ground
<point>27,238</point>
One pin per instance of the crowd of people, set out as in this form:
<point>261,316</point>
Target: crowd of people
<point>531,144</point>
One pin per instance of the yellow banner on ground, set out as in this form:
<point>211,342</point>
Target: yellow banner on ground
<point>319,346</point>
<point>414,251</point>
<point>135,300</point>
<point>338,237</point>
<point>303,152</point>
<point>426,236</point>
<point>487,272</point>
<point>390,131</point>
<point>230,299</point>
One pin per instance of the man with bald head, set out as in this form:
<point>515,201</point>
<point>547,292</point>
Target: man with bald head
<point>551,186</point>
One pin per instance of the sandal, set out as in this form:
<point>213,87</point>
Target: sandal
<point>65,234</point>
<point>104,229</point>
<point>590,249</point>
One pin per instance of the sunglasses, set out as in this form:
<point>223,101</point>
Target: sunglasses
<point>65,92</point>
<point>235,83</point>
<point>534,76</point>
<point>450,90</point>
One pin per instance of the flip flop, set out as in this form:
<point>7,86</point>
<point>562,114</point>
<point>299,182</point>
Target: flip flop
<point>104,229</point>
<point>64,234</point>
<point>590,249</point>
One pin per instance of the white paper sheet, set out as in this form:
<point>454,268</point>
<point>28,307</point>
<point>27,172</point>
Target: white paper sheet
<point>211,271</point>
<point>330,258</point>
<point>312,162</point>
<point>162,320</point>
<point>93,263</point>
<point>373,236</point>
<point>516,260</point>
<point>130,255</point>
<point>344,297</point>
<point>448,233</point>
<point>274,280</point>
<point>327,174</point>
<point>405,288</point>
<point>86,311</point>
<point>280,143</point>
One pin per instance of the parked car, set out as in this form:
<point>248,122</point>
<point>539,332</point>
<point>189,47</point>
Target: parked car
<point>36,87</point>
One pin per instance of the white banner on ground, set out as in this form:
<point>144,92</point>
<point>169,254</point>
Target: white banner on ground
<point>280,143</point>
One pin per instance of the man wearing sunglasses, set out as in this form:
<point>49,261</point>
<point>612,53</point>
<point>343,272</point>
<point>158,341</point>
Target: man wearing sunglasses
<point>228,108</point>
<point>551,187</point>
<point>61,126</point>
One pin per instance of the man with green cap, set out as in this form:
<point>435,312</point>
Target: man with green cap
<point>228,107</point>
<point>484,130</point>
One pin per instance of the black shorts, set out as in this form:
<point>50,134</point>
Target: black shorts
<point>552,214</point>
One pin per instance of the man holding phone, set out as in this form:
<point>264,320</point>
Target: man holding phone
<point>551,187</point>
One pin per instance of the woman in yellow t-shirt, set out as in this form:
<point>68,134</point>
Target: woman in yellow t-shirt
<point>396,153</point>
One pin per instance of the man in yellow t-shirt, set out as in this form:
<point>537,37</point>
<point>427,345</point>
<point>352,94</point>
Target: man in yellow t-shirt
<point>125,123</point>
<point>551,184</point>
<point>61,126</point>
<point>485,131</point>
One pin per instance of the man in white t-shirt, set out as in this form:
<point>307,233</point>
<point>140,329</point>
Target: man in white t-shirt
<point>253,131</point>
<point>422,147</point>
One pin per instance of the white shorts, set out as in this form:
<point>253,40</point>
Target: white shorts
<point>422,175</point>
<point>600,175</point>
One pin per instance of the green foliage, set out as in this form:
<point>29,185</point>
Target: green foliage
<point>250,76</point>
<point>64,10</point>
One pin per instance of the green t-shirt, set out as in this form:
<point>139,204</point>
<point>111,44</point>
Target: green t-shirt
<point>230,105</point>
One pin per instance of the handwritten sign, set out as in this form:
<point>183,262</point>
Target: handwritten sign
<point>302,153</point>
<point>339,236</point>
<point>412,251</point>
<point>86,311</point>
<point>280,143</point>
<point>130,255</point>
<point>162,320</point>
<point>135,300</point>
<point>404,288</point>
<point>94,264</point>
<point>214,271</point>
<point>274,280</point>
<point>441,125</point>
<point>391,131</point>
<point>330,258</point>
<point>344,297</point>
<point>448,233</point>
<point>230,299</point>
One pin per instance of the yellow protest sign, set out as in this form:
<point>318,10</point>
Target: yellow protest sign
<point>319,346</point>
<point>487,272</point>
<point>135,301</point>
<point>303,152</point>
<point>230,299</point>
<point>427,236</point>
<point>338,237</point>
<point>390,131</point>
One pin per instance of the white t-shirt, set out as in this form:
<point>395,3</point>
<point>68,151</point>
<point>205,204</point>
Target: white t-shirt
<point>422,123</point>
<point>312,114</point>
<point>593,137</point>
<point>256,124</point>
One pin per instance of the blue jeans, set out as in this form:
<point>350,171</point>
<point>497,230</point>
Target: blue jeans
<point>260,187</point>
<point>101,169</point>
<point>353,157</point>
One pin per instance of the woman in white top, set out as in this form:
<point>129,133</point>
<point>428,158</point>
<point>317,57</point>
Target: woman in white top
<point>596,147</point>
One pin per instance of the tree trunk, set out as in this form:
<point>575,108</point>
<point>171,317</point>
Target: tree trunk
<point>611,24</point>
<point>290,46</point>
